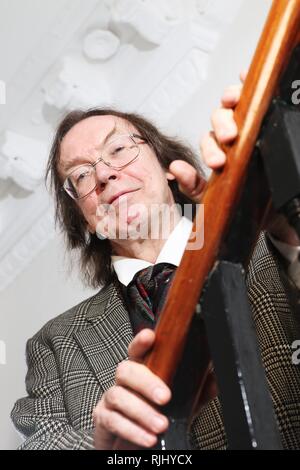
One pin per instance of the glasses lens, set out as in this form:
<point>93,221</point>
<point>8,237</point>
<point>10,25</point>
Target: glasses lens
<point>117,153</point>
<point>81,181</point>
<point>121,151</point>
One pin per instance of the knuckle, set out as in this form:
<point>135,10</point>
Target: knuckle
<point>108,421</point>
<point>95,415</point>
<point>113,397</point>
<point>122,371</point>
<point>231,89</point>
<point>98,411</point>
<point>230,113</point>
<point>227,91</point>
<point>211,149</point>
<point>207,156</point>
<point>215,115</point>
<point>203,140</point>
<point>99,405</point>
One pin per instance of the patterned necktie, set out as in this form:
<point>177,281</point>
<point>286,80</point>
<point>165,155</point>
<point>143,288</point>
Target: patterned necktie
<point>146,293</point>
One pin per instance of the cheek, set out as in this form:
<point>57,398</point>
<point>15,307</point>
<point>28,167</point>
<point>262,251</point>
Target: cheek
<point>149,174</point>
<point>89,209</point>
<point>138,173</point>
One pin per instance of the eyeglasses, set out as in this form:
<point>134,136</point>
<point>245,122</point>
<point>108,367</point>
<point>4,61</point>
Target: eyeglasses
<point>117,154</point>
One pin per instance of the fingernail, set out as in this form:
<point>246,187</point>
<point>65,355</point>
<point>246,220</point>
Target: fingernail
<point>148,441</point>
<point>158,423</point>
<point>229,97</point>
<point>225,134</point>
<point>216,160</point>
<point>160,395</point>
<point>228,132</point>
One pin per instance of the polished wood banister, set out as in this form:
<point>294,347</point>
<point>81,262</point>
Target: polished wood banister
<point>221,195</point>
<point>223,189</point>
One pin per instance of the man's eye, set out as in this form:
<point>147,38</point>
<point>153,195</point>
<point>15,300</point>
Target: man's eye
<point>118,149</point>
<point>81,176</point>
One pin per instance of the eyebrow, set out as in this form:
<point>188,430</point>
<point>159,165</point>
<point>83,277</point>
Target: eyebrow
<point>81,158</point>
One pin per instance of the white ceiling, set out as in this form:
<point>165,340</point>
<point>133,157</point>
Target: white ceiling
<point>22,24</point>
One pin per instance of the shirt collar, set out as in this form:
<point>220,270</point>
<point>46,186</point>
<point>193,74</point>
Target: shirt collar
<point>171,252</point>
<point>289,252</point>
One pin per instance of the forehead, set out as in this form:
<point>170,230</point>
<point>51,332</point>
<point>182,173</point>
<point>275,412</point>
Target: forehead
<point>89,134</point>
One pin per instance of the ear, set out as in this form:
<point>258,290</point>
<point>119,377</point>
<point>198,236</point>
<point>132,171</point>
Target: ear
<point>170,176</point>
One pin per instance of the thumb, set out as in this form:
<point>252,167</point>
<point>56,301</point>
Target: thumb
<point>190,182</point>
<point>141,344</point>
<point>243,75</point>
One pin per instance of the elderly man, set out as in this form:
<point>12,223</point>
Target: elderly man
<point>109,170</point>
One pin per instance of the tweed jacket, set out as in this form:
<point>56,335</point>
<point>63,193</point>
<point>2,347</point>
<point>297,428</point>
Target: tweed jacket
<point>73,358</point>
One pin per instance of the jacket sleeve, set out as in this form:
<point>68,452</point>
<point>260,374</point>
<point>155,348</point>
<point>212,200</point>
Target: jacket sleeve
<point>41,416</point>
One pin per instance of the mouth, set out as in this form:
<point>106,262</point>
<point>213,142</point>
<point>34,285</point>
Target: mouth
<point>121,193</point>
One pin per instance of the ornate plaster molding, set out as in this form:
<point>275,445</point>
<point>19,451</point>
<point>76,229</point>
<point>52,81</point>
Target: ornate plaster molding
<point>23,160</point>
<point>100,44</point>
<point>49,48</point>
<point>142,17</point>
<point>77,85</point>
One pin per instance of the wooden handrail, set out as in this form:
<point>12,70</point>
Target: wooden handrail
<point>222,192</point>
<point>278,40</point>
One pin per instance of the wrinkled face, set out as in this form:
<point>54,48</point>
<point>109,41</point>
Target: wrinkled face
<point>124,200</point>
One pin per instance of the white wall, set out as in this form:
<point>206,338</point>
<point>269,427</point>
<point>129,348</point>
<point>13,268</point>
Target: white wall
<point>43,289</point>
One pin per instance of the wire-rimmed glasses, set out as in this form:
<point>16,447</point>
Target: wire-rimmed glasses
<point>117,154</point>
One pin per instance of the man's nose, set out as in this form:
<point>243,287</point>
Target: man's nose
<point>104,174</point>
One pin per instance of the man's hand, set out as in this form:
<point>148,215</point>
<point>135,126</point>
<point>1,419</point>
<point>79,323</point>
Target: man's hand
<point>224,132</point>
<point>129,409</point>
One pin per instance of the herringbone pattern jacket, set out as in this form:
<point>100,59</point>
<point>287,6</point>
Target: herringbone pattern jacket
<point>72,362</point>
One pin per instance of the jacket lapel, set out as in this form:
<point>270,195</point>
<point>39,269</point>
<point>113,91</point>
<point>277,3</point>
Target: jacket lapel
<point>105,342</point>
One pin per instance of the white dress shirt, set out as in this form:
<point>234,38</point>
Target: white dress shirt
<point>171,252</point>
<point>291,254</point>
<point>174,247</point>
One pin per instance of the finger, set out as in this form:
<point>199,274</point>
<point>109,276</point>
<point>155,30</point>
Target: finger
<point>141,344</point>
<point>231,96</point>
<point>211,153</point>
<point>243,75</point>
<point>190,182</point>
<point>134,408</point>
<point>138,378</point>
<point>118,425</point>
<point>224,125</point>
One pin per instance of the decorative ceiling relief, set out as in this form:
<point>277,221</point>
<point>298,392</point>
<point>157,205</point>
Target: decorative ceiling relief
<point>77,86</point>
<point>100,44</point>
<point>142,17</point>
<point>112,67</point>
<point>176,76</point>
<point>23,160</point>
<point>138,55</point>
